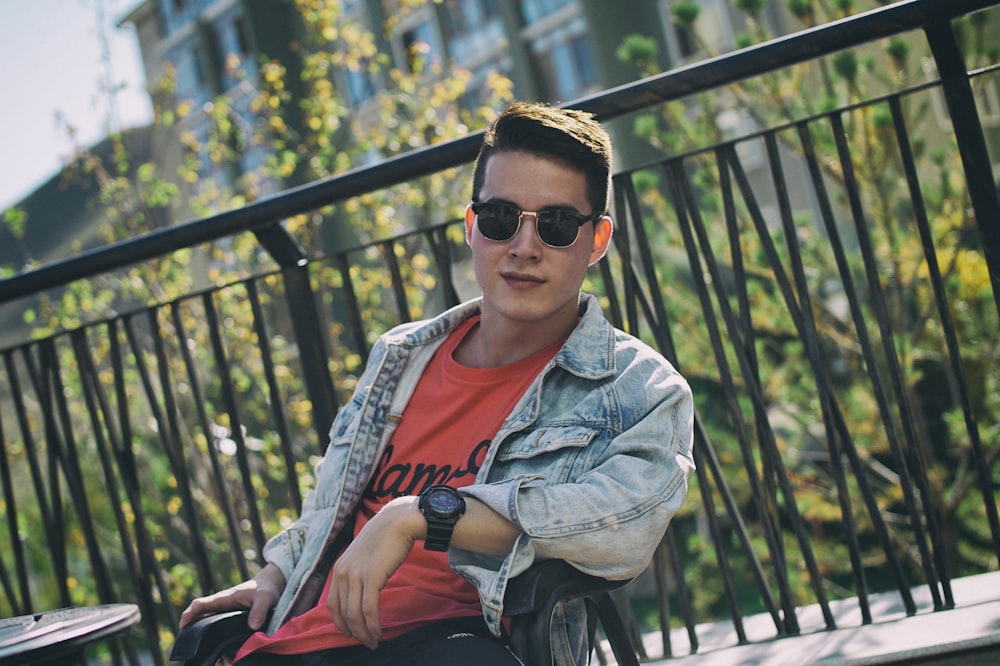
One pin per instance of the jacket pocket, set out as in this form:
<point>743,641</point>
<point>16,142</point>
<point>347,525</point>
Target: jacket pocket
<point>540,441</point>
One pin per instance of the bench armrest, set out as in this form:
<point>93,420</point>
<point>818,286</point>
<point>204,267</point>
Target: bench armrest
<point>203,642</point>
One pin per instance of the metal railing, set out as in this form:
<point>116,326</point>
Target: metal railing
<point>838,371</point>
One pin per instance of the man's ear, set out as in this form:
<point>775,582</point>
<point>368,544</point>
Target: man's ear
<point>470,219</point>
<point>603,230</point>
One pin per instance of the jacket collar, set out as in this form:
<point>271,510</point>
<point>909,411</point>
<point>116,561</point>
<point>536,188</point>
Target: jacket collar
<point>588,352</point>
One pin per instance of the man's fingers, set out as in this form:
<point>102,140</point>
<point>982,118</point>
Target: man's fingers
<point>338,602</point>
<point>354,609</point>
<point>258,613</point>
<point>371,618</point>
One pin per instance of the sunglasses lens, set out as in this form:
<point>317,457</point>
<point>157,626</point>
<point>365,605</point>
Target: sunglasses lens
<point>497,222</point>
<point>558,228</point>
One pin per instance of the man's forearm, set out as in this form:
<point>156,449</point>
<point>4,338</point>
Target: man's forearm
<point>483,530</point>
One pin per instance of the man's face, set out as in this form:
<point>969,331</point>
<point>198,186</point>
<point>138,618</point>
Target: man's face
<point>523,280</point>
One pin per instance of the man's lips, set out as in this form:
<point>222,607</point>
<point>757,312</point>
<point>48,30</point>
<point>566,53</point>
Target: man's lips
<point>521,279</point>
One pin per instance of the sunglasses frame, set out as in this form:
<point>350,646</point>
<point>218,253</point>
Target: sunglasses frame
<point>476,206</point>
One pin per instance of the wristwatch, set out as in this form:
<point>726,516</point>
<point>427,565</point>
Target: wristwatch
<point>441,506</point>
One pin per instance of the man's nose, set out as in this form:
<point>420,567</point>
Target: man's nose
<point>526,239</point>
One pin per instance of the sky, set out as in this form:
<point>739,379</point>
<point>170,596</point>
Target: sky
<point>51,66</point>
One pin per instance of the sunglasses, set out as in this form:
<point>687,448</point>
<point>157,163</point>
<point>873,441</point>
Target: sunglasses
<point>555,227</point>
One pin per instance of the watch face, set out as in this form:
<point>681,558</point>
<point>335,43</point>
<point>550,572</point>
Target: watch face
<point>443,501</point>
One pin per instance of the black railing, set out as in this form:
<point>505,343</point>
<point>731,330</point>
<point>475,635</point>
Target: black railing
<point>821,290</point>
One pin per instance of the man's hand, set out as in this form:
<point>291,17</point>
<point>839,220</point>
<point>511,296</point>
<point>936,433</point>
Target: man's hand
<point>366,565</point>
<point>259,595</point>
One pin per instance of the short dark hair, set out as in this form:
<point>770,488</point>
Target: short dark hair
<point>569,135</point>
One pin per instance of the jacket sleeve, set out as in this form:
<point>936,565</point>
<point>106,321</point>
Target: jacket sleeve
<point>608,518</point>
<point>285,550</point>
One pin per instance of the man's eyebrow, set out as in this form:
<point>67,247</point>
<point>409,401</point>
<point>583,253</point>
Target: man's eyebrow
<point>501,200</point>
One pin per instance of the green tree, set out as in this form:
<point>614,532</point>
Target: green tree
<point>795,97</point>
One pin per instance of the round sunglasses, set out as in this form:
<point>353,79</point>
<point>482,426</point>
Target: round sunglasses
<point>556,227</point>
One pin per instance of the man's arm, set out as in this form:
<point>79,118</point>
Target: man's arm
<point>380,548</point>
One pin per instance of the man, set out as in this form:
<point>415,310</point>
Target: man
<point>536,429</point>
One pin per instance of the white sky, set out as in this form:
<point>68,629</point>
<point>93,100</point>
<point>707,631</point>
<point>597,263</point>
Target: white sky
<point>50,64</point>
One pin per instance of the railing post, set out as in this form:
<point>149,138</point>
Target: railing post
<point>312,350</point>
<point>309,337</point>
<point>971,143</point>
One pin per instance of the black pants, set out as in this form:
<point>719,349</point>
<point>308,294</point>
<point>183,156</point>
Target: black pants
<point>445,643</point>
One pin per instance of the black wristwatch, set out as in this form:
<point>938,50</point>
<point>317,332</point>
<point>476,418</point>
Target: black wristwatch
<point>441,506</point>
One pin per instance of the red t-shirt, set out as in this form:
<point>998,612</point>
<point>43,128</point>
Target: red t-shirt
<point>442,438</point>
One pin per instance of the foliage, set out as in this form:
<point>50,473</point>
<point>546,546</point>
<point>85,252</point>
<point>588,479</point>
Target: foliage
<point>808,102</point>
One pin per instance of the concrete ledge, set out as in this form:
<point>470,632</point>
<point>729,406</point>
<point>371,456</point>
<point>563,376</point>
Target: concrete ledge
<point>967,634</point>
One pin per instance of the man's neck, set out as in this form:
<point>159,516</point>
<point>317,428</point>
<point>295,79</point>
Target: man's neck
<point>491,345</point>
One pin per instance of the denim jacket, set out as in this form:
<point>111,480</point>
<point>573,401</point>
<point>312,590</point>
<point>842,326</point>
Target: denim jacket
<point>591,464</point>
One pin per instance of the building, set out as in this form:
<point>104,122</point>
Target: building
<point>552,50</point>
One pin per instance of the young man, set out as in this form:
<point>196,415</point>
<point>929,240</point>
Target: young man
<point>517,427</point>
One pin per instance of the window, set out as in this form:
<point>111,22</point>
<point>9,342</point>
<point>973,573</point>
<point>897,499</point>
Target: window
<point>420,45</point>
<point>477,91</point>
<point>566,61</point>
<point>460,16</point>
<point>191,84</point>
<point>473,29</point>
<point>534,10</point>
<point>360,85</point>
<point>177,13</point>
<point>233,44</point>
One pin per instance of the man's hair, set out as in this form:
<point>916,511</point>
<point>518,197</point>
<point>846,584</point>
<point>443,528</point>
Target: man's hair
<point>568,135</point>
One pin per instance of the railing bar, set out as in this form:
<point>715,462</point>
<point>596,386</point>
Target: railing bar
<point>764,495</point>
<point>105,587</point>
<point>198,398</point>
<point>630,318</point>
<point>954,350</point>
<point>708,505</point>
<point>399,291</point>
<point>857,315</point>
<point>174,439</point>
<point>101,422</point>
<point>312,344</point>
<point>235,423</point>
<point>660,565</point>
<point>972,146</point>
<point>877,302</point>
<point>654,309</point>
<point>982,190</point>
<point>756,398</point>
<point>130,477</point>
<point>610,291</point>
<point>31,451</point>
<point>274,394</point>
<point>802,318</point>
<point>683,598</point>
<point>675,178</point>
<point>56,528</point>
<point>202,563</point>
<point>70,464</point>
<point>437,239</point>
<point>614,312</point>
<point>10,502</point>
<point>353,309</point>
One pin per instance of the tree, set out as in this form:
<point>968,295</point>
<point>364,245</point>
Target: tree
<point>859,153</point>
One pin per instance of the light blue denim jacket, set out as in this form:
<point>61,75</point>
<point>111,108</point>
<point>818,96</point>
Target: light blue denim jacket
<point>591,464</point>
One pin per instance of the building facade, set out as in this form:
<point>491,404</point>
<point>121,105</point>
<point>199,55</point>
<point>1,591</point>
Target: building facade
<point>552,50</point>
